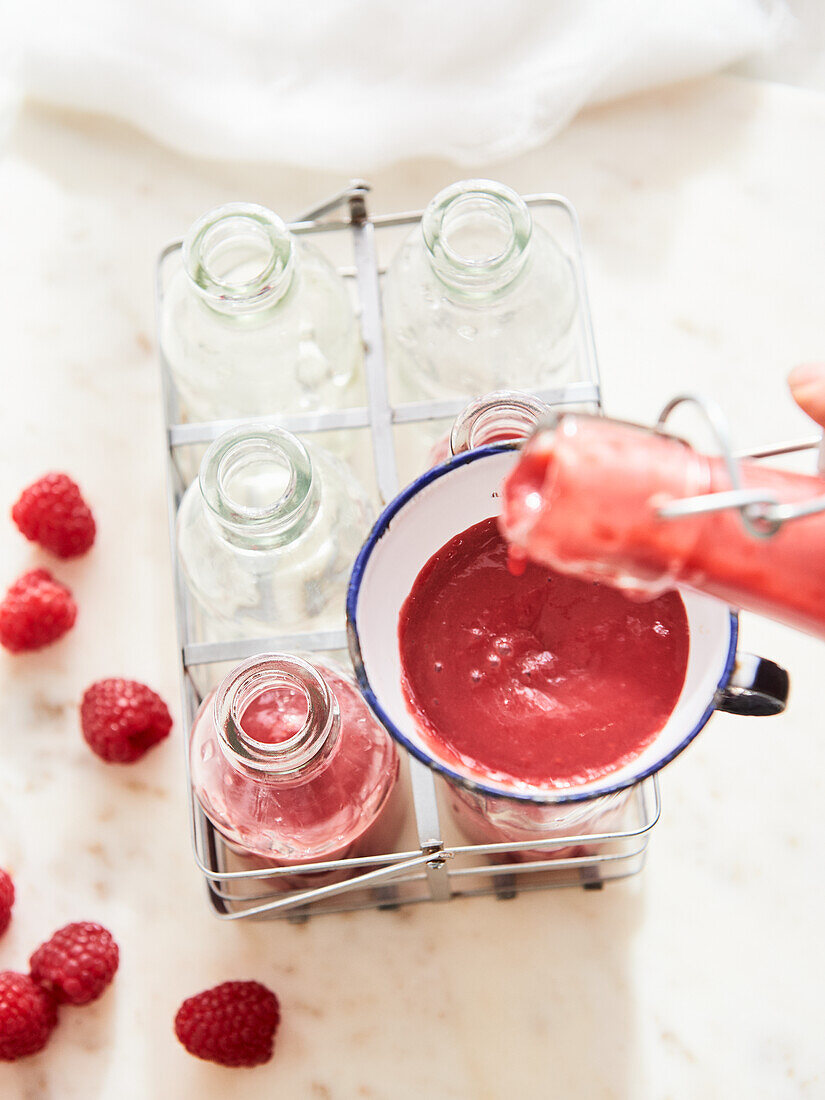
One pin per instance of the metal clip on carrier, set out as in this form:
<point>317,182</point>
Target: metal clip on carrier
<point>761,513</point>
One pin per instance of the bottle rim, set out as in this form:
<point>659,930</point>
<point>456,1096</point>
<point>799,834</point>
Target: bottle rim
<point>508,225</point>
<point>266,449</point>
<point>208,248</point>
<point>503,416</point>
<point>308,746</point>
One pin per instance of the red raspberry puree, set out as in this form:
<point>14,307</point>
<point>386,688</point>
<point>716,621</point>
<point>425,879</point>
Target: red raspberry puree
<point>539,678</point>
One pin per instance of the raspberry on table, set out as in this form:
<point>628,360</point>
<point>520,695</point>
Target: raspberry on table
<point>76,964</point>
<point>53,513</point>
<point>122,719</point>
<point>27,1016</point>
<point>36,611</point>
<point>232,1024</point>
<point>6,899</point>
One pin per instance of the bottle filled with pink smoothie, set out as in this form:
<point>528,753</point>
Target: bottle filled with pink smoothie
<point>486,819</point>
<point>590,496</point>
<point>291,767</point>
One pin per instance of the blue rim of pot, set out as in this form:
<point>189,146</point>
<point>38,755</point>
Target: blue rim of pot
<point>556,796</point>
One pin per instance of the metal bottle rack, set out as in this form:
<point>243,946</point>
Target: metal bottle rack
<point>434,862</point>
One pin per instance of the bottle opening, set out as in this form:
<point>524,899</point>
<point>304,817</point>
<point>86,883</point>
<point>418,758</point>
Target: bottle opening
<point>272,715</point>
<point>259,485</point>
<point>239,257</point>
<point>477,230</point>
<point>238,251</point>
<point>506,416</point>
<point>477,233</point>
<point>276,713</point>
<point>530,490</point>
<point>256,477</point>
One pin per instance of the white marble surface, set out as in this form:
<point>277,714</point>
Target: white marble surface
<point>704,225</point>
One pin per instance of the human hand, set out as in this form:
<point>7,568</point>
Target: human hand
<point>807,385</point>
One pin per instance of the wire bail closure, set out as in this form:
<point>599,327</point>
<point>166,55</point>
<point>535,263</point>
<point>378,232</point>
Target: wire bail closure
<point>761,513</point>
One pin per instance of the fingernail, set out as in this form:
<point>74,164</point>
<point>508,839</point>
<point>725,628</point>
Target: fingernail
<point>805,374</point>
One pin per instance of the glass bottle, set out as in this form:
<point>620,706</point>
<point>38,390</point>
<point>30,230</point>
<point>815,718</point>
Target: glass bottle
<point>268,532</point>
<point>291,767</point>
<point>486,819</point>
<point>256,321</point>
<point>506,416</point>
<point>479,298</point>
<point>586,498</point>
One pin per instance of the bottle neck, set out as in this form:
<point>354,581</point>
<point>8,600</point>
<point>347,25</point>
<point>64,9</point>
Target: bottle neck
<point>259,487</point>
<point>240,258</point>
<point>595,497</point>
<point>584,498</point>
<point>276,717</point>
<point>477,234</point>
<point>505,416</point>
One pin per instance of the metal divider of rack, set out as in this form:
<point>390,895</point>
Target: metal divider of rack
<point>380,416</point>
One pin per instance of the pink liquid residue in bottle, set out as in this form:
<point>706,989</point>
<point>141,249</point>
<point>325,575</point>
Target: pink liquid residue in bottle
<point>291,767</point>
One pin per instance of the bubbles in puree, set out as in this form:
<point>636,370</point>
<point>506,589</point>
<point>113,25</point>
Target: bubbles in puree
<point>530,676</point>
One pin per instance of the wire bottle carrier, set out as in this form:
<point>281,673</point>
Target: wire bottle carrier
<point>433,862</point>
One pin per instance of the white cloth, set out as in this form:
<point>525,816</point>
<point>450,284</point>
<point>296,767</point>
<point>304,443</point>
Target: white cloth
<point>351,85</point>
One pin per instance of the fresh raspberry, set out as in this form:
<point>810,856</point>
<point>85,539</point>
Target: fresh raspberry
<point>36,611</point>
<point>27,1016</point>
<point>232,1024</point>
<point>6,899</point>
<point>76,964</point>
<point>53,513</point>
<point>122,719</point>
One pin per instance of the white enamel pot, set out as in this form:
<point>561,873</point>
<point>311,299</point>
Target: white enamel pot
<point>446,501</point>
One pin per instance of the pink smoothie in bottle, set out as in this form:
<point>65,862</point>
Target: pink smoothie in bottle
<point>585,499</point>
<point>291,767</point>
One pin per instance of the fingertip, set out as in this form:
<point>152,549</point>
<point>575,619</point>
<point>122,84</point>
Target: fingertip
<point>807,385</point>
<point>807,374</point>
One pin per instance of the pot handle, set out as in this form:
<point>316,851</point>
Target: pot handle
<point>756,687</point>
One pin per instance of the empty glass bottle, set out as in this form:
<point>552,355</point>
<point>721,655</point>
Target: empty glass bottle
<point>505,416</point>
<point>256,320</point>
<point>479,298</point>
<point>290,765</point>
<point>269,530</point>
